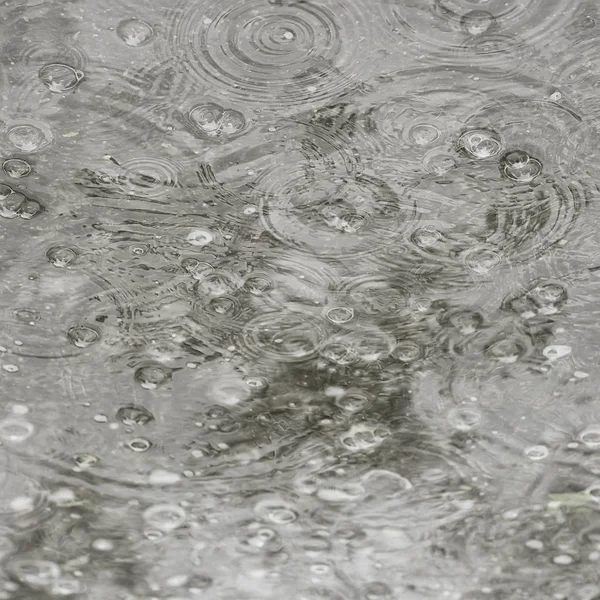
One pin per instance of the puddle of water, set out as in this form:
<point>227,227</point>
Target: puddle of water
<point>299,298</point>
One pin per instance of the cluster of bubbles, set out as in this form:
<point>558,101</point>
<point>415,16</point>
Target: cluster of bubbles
<point>15,204</point>
<point>214,121</point>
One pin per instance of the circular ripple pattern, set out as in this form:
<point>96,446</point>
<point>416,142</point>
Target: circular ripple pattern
<point>272,53</point>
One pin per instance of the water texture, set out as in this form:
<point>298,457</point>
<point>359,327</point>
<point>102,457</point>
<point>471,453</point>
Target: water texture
<point>299,298</point>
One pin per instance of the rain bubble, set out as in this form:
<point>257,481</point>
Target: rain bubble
<point>15,430</point>
<point>340,315</point>
<point>257,285</point>
<point>276,511</point>
<point>516,159</point>
<point>152,376</point>
<point>30,208</point>
<point>526,173</point>
<point>207,118</point>
<point>377,590</point>
<point>407,352</point>
<point>477,22</point>
<point>16,168</point>
<point>364,436</point>
<point>85,460</point>
<point>465,321</point>
<point>60,78</point>
<point>424,134</point>
<point>34,574</point>
<point>556,352</point>
<point>222,305</point>
<point>134,32</point>
<point>536,452</point>
<point>200,237</point>
<point>480,144</point>
<point>481,260</point>
<point>61,256</point>
<point>232,122</point>
<point>27,137</point>
<point>133,414</point>
<point>139,445</point>
<point>439,163</point>
<point>165,517</point>
<point>464,419</point>
<point>591,436</point>
<point>550,292</point>
<point>27,315</point>
<point>258,384</point>
<point>353,401</point>
<point>83,336</point>
<point>426,236</point>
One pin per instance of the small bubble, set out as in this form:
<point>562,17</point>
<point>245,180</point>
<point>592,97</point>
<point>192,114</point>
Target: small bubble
<point>61,256</point>
<point>481,260</point>
<point>60,78</point>
<point>591,436</point>
<point>563,559</point>
<point>478,22</point>
<point>276,511</point>
<point>525,173</point>
<point>16,168</point>
<point>200,237</point>
<point>34,574</point>
<point>407,352</point>
<point>534,544</point>
<point>139,445</point>
<point>464,419</point>
<point>10,368</point>
<point>353,401</point>
<point>424,134</point>
<point>30,208</point>
<point>537,452</point>
<point>480,144</point>
<point>165,517</point>
<point>258,285</point>
<point>103,545</point>
<point>426,237</point>
<point>258,384</point>
<point>134,32</point>
<point>133,414</point>
<point>27,137</point>
<point>516,159</point>
<point>556,352</point>
<point>15,430</point>
<point>162,477</point>
<point>26,315</point>
<point>83,336</point>
<point>340,315</point>
<point>232,122</point>
<point>85,460</point>
<point>152,376</point>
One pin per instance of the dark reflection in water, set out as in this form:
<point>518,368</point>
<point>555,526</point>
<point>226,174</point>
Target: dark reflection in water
<point>299,298</point>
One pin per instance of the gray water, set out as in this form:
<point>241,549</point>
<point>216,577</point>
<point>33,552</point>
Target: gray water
<point>299,299</point>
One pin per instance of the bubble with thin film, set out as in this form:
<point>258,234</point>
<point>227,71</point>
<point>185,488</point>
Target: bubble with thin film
<point>213,121</point>
<point>61,256</point>
<point>276,510</point>
<point>151,377</point>
<point>15,430</point>
<point>28,136</point>
<point>16,168</point>
<point>537,452</point>
<point>364,437</point>
<point>139,444</point>
<point>464,419</point>
<point>135,32</point>
<point>353,401</point>
<point>134,414</point>
<point>481,260</point>
<point>591,436</point>
<point>83,336</point>
<point>407,352</point>
<point>59,78</point>
<point>480,144</point>
<point>340,315</point>
<point>165,517</point>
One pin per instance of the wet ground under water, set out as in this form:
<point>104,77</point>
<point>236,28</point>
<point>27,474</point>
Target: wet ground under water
<point>300,298</point>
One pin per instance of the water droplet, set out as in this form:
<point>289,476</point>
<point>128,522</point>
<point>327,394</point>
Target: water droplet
<point>83,336</point>
<point>537,452</point>
<point>551,292</point>
<point>480,144</point>
<point>426,237</point>
<point>481,260</point>
<point>134,32</point>
<point>464,419</point>
<point>212,120</point>
<point>139,445</point>
<point>258,285</point>
<point>152,376</point>
<point>340,315</point>
<point>516,159</point>
<point>60,78</point>
<point>477,22</point>
<point>407,352</point>
<point>591,436</point>
<point>276,511</point>
<point>85,461</point>
<point>200,237</point>
<point>15,430</point>
<point>424,134</point>
<point>232,122</point>
<point>222,305</point>
<point>61,256</point>
<point>258,384</point>
<point>165,517</point>
<point>30,208</point>
<point>34,574</point>
<point>134,414</point>
<point>27,137</point>
<point>556,352</point>
<point>364,436</point>
<point>16,168</point>
<point>525,173</point>
<point>353,401</point>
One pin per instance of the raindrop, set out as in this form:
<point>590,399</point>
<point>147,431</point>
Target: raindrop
<point>556,352</point>
<point>16,168</point>
<point>27,138</point>
<point>516,159</point>
<point>407,352</point>
<point>340,315</point>
<point>30,208</point>
<point>152,376</point>
<point>550,292</point>
<point>353,401</point>
<point>258,384</point>
<point>591,436</point>
<point>134,32</point>
<point>258,285</point>
<point>26,315</point>
<point>426,237</point>
<point>526,173</point>
<point>83,336</point>
<point>464,419</point>
<point>133,414</point>
<point>200,237</point>
<point>61,256</point>
<point>480,144</point>
<point>477,22</point>
<point>60,78</point>
<point>481,260</point>
<point>465,321</point>
<point>536,452</point>
<point>232,122</point>
<point>222,305</point>
<point>165,517</point>
<point>424,134</point>
<point>139,445</point>
<point>364,436</point>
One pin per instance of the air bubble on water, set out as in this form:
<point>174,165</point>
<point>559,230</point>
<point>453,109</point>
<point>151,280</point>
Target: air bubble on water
<point>593,491</point>
<point>232,122</point>
<point>340,315</point>
<point>464,419</point>
<point>353,401</point>
<point>364,436</point>
<point>151,377</point>
<point>257,285</point>
<point>139,445</point>
<point>275,510</point>
<point>480,144</point>
<point>424,134</point>
<point>59,78</point>
<point>438,163</point>
<point>526,173</point>
<point>14,430</point>
<point>134,32</point>
<point>61,256</point>
<point>426,237</point>
<point>160,477</point>
<point>256,383</point>
<point>165,517</point>
<point>591,436</point>
<point>556,352</point>
<point>34,574</point>
<point>28,138</point>
<point>83,336</point>
<point>16,168</point>
<point>10,368</point>
<point>133,414</point>
<point>63,496</point>
<point>30,208</point>
<point>481,260</point>
<point>200,237</point>
<point>85,461</point>
<point>407,352</point>
<point>478,22</point>
<point>536,452</point>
